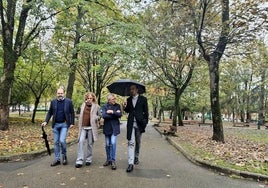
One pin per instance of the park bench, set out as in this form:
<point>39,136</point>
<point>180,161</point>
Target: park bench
<point>190,122</point>
<point>171,131</point>
<point>200,123</point>
<point>241,124</point>
<point>25,115</point>
<point>156,124</point>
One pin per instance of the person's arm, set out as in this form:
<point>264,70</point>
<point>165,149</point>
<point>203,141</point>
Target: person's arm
<point>126,106</point>
<point>98,113</point>
<point>146,110</point>
<point>72,114</point>
<point>117,112</point>
<point>105,113</point>
<point>48,115</point>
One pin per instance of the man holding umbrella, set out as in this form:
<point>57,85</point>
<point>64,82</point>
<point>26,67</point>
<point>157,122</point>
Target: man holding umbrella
<point>137,108</point>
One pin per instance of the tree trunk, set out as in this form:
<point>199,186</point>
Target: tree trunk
<point>155,106</point>
<point>4,115</point>
<point>213,59</point>
<point>180,119</point>
<point>214,100</point>
<point>175,111</point>
<point>7,79</point>
<point>37,100</point>
<point>161,112</point>
<point>73,65</point>
<point>261,118</point>
<point>99,88</point>
<point>203,115</point>
<point>11,52</point>
<point>242,116</point>
<point>71,80</point>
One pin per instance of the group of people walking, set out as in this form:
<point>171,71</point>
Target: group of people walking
<point>62,112</point>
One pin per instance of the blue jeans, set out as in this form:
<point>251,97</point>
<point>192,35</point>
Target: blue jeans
<point>60,131</point>
<point>110,147</point>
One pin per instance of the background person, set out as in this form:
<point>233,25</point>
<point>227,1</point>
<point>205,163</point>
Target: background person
<point>88,123</point>
<point>111,112</point>
<point>62,111</point>
<point>137,109</point>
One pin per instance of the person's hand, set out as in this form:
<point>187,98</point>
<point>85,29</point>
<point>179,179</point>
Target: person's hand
<point>118,111</point>
<point>44,124</point>
<point>110,112</point>
<point>71,126</point>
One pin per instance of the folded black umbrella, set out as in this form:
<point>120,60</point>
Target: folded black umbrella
<point>46,141</point>
<point>122,87</point>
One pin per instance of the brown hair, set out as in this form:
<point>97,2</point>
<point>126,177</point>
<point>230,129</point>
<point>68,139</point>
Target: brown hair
<point>92,95</point>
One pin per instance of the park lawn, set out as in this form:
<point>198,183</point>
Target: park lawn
<point>245,149</point>
<point>24,136</point>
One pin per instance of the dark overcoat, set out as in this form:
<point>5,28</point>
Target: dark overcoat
<point>140,112</point>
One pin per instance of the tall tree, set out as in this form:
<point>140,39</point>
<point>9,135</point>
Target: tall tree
<point>16,35</point>
<point>73,62</point>
<point>37,73</point>
<point>87,34</point>
<point>213,57</point>
<point>215,28</point>
<point>260,59</point>
<point>172,51</point>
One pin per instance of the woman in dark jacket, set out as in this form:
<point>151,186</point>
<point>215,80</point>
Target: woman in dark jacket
<point>111,112</point>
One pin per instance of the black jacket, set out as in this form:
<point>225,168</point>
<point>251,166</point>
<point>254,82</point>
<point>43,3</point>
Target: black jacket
<point>140,112</point>
<point>111,121</point>
<point>68,111</point>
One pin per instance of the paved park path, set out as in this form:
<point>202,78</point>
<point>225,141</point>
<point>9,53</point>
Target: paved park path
<point>161,166</point>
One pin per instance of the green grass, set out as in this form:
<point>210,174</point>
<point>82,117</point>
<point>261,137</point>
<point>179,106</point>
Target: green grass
<point>38,115</point>
<point>250,134</point>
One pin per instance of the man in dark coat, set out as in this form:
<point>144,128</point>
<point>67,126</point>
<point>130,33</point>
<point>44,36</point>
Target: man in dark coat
<point>62,110</point>
<point>138,115</point>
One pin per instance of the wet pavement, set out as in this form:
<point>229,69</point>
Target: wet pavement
<point>161,165</point>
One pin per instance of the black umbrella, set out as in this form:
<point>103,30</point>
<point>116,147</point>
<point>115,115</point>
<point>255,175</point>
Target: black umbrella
<point>46,141</point>
<point>122,87</point>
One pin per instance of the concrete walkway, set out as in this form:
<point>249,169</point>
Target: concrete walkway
<point>162,165</point>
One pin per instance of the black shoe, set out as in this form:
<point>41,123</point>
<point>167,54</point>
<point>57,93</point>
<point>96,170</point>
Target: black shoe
<point>129,168</point>
<point>107,163</point>
<point>78,165</point>
<point>136,161</point>
<point>88,163</point>
<point>64,160</point>
<point>55,163</point>
<point>113,165</point>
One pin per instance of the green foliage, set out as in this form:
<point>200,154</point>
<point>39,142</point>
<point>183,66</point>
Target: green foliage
<point>120,39</point>
<point>168,104</point>
<point>35,76</point>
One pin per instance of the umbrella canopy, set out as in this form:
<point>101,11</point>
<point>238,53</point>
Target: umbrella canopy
<point>46,141</point>
<point>122,87</point>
